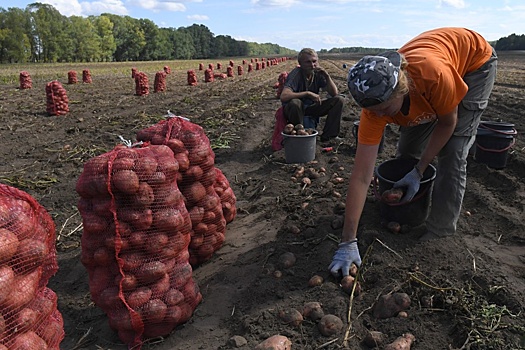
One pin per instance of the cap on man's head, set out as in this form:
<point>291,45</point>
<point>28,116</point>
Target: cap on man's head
<point>372,79</point>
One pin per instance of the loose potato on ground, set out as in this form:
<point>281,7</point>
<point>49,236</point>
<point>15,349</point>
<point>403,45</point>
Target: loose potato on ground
<point>275,342</point>
<point>315,281</point>
<point>347,284</point>
<point>374,339</point>
<point>287,260</point>
<point>313,311</point>
<point>291,316</point>
<point>390,304</point>
<point>403,342</point>
<point>330,325</point>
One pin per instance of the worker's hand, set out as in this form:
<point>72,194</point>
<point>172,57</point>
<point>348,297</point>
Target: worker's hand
<point>344,256</point>
<point>411,183</point>
<point>314,97</point>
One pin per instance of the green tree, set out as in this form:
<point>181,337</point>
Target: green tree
<point>49,35</point>
<point>15,45</point>
<point>182,44</point>
<point>202,40</point>
<point>85,42</point>
<point>129,37</point>
<point>104,28</point>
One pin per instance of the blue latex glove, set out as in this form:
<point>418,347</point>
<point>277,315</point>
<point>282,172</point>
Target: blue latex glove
<point>411,182</point>
<point>344,256</point>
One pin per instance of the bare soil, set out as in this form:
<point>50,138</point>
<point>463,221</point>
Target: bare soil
<point>467,291</point>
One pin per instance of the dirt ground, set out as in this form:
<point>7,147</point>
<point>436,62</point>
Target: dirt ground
<point>466,291</point>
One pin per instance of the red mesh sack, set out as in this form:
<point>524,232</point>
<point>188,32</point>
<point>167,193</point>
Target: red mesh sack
<point>27,262</point>
<point>219,76</point>
<point>57,102</point>
<point>136,232</point>
<point>192,78</point>
<point>208,76</point>
<point>280,83</point>
<point>219,65</point>
<point>229,71</point>
<point>25,80</point>
<point>196,160</point>
<point>201,66</point>
<point>86,76</point>
<point>159,84</point>
<point>141,84</point>
<point>231,63</point>
<point>250,68</point>
<point>72,77</point>
<point>133,72</point>
<point>167,69</point>
<point>210,66</point>
<point>240,70</point>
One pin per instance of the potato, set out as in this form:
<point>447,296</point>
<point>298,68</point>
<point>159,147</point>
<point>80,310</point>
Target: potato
<point>392,195</point>
<point>330,325</point>
<point>315,281</point>
<point>313,310</point>
<point>374,339</point>
<point>403,342</point>
<point>8,244</point>
<point>287,260</point>
<point>347,284</point>
<point>275,342</point>
<point>291,317</point>
<point>394,227</point>
<point>390,304</point>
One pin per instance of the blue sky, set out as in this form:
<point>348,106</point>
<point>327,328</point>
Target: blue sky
<point>319,24</point>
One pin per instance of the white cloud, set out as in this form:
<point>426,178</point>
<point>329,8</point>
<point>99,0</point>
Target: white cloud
<point>459,4</point>
<point>65,7</point>
<point>198,17</point>
<point>275,3</point>
<point>158,6</point>
<point>107,6</point>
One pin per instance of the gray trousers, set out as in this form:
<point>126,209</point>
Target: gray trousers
<point>451,175</point>
<point>332,107</point>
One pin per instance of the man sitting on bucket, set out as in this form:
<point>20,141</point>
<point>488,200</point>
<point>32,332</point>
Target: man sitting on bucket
<point>300,96</point>
<point>436,87</point>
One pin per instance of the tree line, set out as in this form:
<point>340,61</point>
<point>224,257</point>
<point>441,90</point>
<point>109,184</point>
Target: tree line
<point>511,42</point>
<point>39,33</point>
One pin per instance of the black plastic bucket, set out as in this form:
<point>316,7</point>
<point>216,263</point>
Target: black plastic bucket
<point>493,141</point>
<point>355,131</point>
<point>411,213</point>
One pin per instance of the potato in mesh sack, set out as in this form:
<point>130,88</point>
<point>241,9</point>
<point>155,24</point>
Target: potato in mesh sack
<point>27,262</point>
<point>136,232</point>
<point>198,182</point>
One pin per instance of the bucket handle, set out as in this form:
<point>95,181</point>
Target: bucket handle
<point>496,150</point>
<point>378,196</point>
<point>512,132</point>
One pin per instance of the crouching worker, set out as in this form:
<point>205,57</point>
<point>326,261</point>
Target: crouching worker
<point>300,95</point>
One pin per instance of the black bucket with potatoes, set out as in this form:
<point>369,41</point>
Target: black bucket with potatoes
<point>299,148</point>
<point>493,142</point>
<point>414,212</point>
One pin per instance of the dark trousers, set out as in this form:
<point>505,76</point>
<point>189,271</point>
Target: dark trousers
<point>332,107</point>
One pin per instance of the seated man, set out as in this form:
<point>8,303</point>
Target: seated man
<point>300,95</point>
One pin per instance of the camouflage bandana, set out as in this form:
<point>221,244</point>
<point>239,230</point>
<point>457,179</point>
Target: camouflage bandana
<point>372,79</point>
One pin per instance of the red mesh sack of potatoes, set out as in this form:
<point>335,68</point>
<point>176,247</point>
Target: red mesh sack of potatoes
<point>201,66</point>
<point>133,72</point>
<point>27,262</point>
<point>219,65</point>
<point>208,76</point>
<point>240,70</point>
<point>72,77</point>
<point>229,71</point>
<point>136,232</point>
<point>141,84</point>
<point>25,80</point>
<point>57,102</point>
<point>159,84</point>
<point>280,83</point>
<point>167,69</point>
<point>192,77</point>
<point>86,76</point>
<point>219,76</point>
<point>210,66</point>
<point>196,160</point>
<point>250,68</point>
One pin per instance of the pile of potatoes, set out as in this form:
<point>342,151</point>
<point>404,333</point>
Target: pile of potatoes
<point>290,129</point>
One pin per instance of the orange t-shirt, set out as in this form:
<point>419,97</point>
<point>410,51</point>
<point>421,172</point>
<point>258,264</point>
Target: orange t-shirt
<point>437,62</point>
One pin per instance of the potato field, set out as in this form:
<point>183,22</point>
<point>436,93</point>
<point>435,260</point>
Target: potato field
<point>263,275</point>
